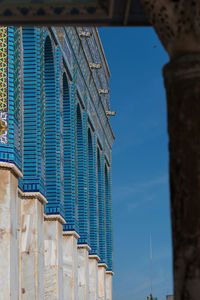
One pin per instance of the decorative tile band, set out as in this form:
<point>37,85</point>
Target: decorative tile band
<point>3,86</point>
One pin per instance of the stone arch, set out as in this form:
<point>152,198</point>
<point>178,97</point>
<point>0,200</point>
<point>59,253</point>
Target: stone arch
<point>79,136</point>
<point>33,112</point>
<point>50,126</point>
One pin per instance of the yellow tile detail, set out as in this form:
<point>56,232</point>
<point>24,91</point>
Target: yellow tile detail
<point>3,68</point>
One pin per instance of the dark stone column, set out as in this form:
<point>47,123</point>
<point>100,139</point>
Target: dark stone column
<point>182,82</point>
<point>177,24</point>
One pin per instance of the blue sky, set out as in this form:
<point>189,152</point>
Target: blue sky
<point>140,163</point>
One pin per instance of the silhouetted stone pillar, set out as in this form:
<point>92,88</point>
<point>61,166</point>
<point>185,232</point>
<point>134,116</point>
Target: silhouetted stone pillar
<point>178,27</point>
<point>182,81</point>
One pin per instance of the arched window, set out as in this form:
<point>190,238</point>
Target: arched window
<point>79,163</point>
<point>108,210</point>
<point>52,194</point>
<point>33,111</point>
<point>70,207</point>
<point>81,181</point>
<point>92,197</point>
<point>101,210</point>
<point>30,151</point>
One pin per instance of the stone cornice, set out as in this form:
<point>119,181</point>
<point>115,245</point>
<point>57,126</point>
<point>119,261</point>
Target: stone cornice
<point>85,246</point>
<point>32,195</point>
<point>110,273</point>
<point>71,233</point>
<point>12,168</point>
<point>54,218</point>
<point>185,67</point>
<point>103,265</point>
<point>93,256</point>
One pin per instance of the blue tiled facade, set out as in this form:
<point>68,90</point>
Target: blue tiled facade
<point>54,126</point>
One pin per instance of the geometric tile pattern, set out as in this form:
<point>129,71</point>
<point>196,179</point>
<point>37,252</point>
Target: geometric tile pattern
<point>17,110</point>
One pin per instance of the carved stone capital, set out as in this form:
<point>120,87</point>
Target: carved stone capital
<point>177,23</point>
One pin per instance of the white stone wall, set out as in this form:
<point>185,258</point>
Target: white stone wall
<point>93,277</point>
<point>38,261</point>
<point>70,265</point>
<point>9,259</point>
<point>102,281</point>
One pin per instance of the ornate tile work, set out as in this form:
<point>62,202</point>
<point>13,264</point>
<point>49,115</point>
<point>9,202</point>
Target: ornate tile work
<point>107,150</point>
<point>68,54</point>
<point>18,65</point>
<point>3,127</point>
<point>3,86</point>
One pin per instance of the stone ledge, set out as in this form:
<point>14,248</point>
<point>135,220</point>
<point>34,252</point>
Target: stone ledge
<point>12,168</point>
<point>110,273</point>
<point>103,265</point>
<point>32,195</point>
<point>84,246</point>
<point>71,233</point>
<point>54,218</point>
<point>93,256</point>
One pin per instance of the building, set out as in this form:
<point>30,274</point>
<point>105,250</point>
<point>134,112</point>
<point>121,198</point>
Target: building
<point>150,297</point>
<point>55,165</point>
<point>169,297</point>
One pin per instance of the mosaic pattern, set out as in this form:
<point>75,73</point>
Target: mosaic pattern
<point>17,91</point>
<point>3,86</point>
<point>68,54</point>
